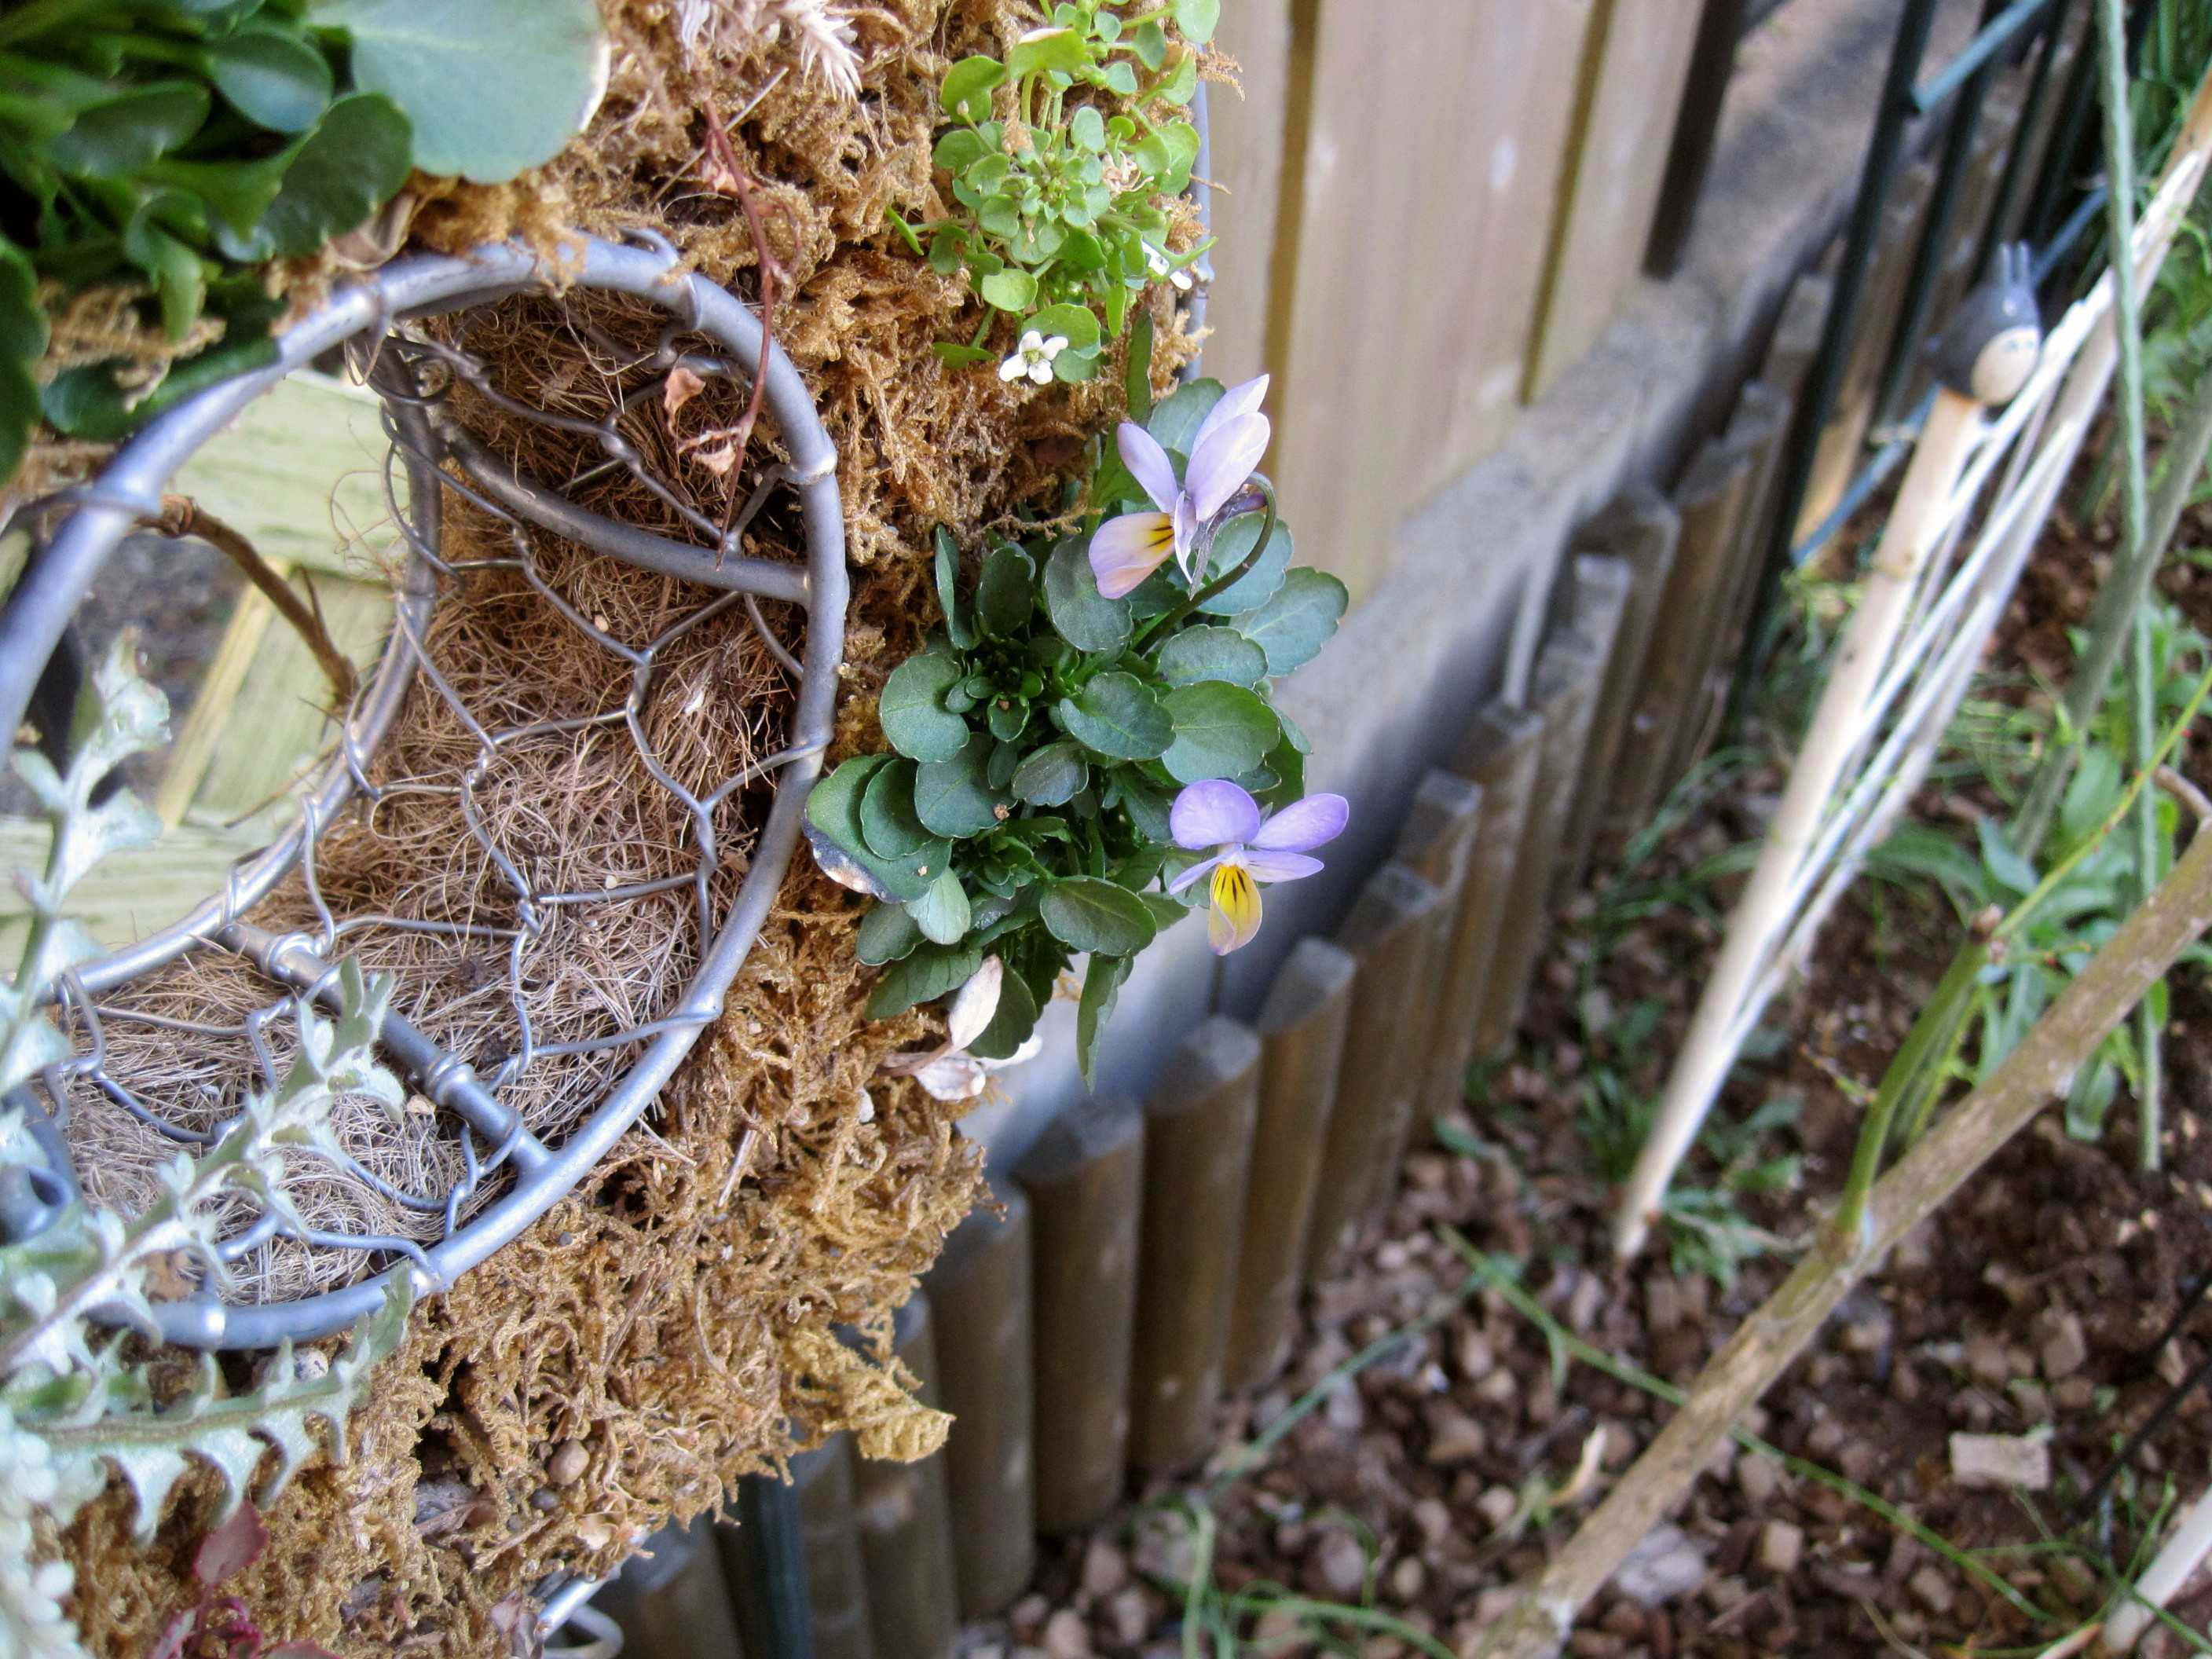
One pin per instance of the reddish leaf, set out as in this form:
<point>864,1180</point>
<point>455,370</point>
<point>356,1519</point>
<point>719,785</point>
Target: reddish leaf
<point>232,1548</point>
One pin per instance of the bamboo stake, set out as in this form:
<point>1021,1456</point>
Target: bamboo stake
<point>2036,1073</point>
<point>1742,976</point>
<point>1198,1151</point>
<point>1301,1027</point>
<point>2169,1570</point>
<point>979,1294</point>
<point>1084,1180</point>
<point>1916,524</point>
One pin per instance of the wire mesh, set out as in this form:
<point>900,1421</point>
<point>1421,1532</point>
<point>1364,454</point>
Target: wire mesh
<point>589,777</point>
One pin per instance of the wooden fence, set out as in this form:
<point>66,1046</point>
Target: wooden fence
<point>1431,209</point>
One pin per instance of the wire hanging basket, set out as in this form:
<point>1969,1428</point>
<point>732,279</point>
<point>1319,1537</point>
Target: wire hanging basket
<point>481,1174</point>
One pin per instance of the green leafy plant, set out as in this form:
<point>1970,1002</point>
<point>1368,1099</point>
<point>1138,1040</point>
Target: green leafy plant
<point>185,143</point>
<point>1062,220</point>
<point>2006,995</point>
<point>1041,738</point>
<point>72,1407</point>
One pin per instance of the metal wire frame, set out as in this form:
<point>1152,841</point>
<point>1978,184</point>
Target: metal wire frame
<point>1961,84</point>
<point>414,374</point>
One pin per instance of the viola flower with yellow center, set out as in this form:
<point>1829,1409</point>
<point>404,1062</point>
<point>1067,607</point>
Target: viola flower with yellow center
<point>1229,444</point>
<point>1247,847</point>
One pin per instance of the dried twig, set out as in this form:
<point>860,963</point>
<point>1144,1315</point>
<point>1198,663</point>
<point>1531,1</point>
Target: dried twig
<point>182,516</point>
<point>726,178</point>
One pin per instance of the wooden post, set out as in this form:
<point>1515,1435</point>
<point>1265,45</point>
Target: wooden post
<point>1436,844</point>
<point>1709,496</point>
<point>669,1601</point>
<point>1500,753</point>
<point>906,1522</point>
<point>1084,1180</point>
<point>1198,1150</point>
<point>1388,933</point>
<point>1565,692</point>
<point>1641,528</point>
<point>836,1585</point>
<point>1602,585</point>
<point>1301,1027</point>
<point>1754,436</point>
<point>979,1295</point>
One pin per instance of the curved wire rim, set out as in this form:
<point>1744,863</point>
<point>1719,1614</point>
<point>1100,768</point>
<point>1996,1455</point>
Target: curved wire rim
<point>130,488</point>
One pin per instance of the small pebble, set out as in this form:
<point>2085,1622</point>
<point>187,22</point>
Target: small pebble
<point>1999,1462</point>
<point>1781,1547</point>
<point>566,1467</point>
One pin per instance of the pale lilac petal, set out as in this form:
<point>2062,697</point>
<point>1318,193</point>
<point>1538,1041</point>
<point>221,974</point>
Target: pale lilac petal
<point>1148,465</point>
<point>970,1016</point>
<point>1222,459</point>
<point>1186,542</point>
<point>1214,813</point>
<point>1279,867</point>
<point>1195,872</point>
<point>1238,400</point>
<point>1127,550</point>
<point>1304,825</point>
<point>952,1078</point>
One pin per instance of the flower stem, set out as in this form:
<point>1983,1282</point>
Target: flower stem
<point>1220,584</point>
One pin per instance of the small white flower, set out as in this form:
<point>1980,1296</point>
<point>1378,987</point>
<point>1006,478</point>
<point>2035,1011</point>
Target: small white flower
<point>1033,357</point>
<point>1157,262</point>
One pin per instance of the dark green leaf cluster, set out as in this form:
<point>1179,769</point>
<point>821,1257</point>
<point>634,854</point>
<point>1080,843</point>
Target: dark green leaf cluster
<point>184,144</point>
<point>1040,739</point>
<point>1064,222</point>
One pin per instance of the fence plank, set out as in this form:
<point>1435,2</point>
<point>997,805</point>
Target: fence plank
<point>1565,690</point>
<point>1500,753</point>
<point>301,473</point>
<point>129,894</point>
<point>1198,1151</point>
<point>1398,322</point>
<point>278,725</point>
<point>1437,844</point>
<point>1707,499</point>
<point>906,1522</point>
<point>1302,1028</point>
<point>830,1540</point>
<point>1246,142</point>
<point>670,1601</point>
<point>1602,583</point>
<point>1635,65</point>
<point>1755,434</point>
<point>1388,933</point>
<point>1084,1179</point>
<point>1642,527</point>
<point>980,1296</point>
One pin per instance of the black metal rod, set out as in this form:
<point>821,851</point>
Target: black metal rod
<point>2061,162</point>
<point>1998,28</point>
<point>1885,147</point>
<point>1928,261</point>
<point>1713,64</point>
<point>779,1618</point>
<point>2023,140</point>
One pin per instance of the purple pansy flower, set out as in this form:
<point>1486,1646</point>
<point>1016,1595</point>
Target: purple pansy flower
<point>1230,442</point>
<point>1221,817</point>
